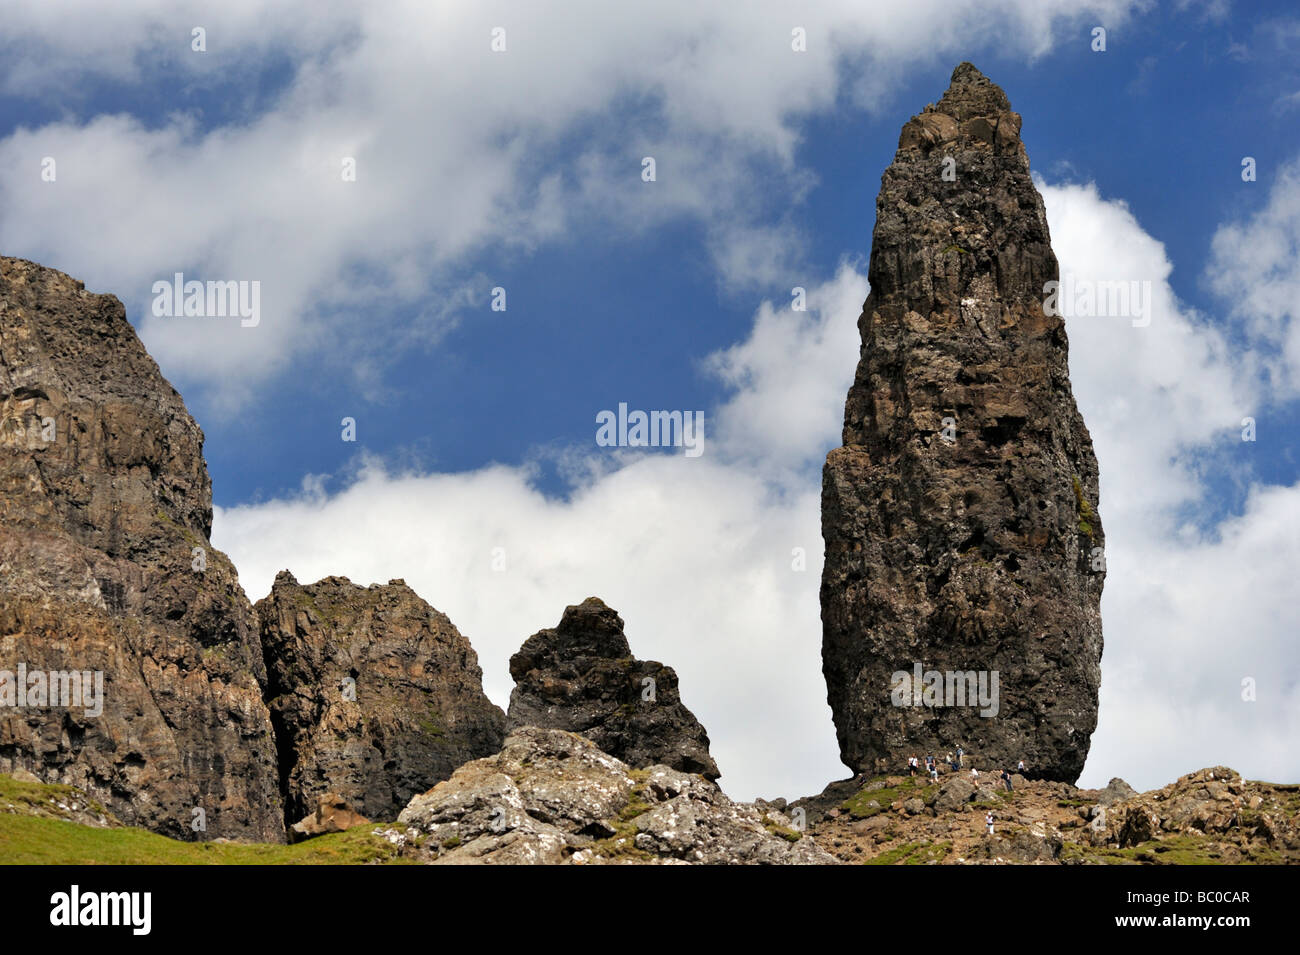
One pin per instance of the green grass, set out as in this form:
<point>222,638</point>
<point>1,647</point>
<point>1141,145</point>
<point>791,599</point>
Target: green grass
<point>913,853</point>
<point>622,844</point>
<point>859,805</point>
<point>1172,850</point>
<point>789,835</point>
<point>40,799</point>
<point>32,834</point>
<point>27,840</point>
<point>1085,510</point>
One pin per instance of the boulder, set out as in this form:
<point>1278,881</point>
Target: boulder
<point>954,794</point>
<point>1116,791</point>
<point>332,814</point>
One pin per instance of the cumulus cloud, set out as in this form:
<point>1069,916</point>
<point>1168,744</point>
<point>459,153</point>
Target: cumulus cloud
<point>1191,607</point>
<point>713,561</point>
<point>459,150</point>
<point>1256,266</point>
<point>699,554</point>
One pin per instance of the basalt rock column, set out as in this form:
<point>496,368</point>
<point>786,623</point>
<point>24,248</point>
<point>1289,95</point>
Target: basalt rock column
<point>960,515</point>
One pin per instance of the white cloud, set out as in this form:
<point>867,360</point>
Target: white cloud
<point>1256,266</point>
<point>1188,612</point>
<point>459,150</point>
<point>696,553</point>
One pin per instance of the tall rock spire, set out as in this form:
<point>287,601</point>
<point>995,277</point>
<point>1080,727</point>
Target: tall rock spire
<point>960,515</point>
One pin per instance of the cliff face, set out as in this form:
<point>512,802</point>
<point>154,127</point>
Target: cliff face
<point>375,696</point>
<point>960,515</point>
<point>582,677</point>
<point>106,567</point>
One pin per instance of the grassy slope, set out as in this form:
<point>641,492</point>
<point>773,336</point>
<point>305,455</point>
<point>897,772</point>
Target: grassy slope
<point>31,834</point>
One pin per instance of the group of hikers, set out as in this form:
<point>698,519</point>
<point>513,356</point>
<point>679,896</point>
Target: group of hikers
<point>955,761</point>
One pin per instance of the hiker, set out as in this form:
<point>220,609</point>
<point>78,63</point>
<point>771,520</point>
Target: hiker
<point>952,763</point>
<point>934,769</point>
<point>975,776</point>
<point>960,752</point>
<point>988,821</point>
<point>1020,767</point>
<point>911,766</point>
<point>1006,778</point>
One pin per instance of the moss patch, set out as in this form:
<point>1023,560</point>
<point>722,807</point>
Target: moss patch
<point>1086,515</point>
<point>1172,850</point>
<point>859,806</point>
<point>913,853</point>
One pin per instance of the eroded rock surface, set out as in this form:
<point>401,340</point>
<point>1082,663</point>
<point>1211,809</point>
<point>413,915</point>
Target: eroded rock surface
<point>960,515</point>
<point>106,567</point>
<point>552,797</point>
<point>375,695</point>
<point>582,677</point>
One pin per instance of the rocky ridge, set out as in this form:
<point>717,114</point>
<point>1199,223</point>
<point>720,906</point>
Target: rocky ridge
<point>107,572</point>
<point>553,797</point>
<point>1211,816</point>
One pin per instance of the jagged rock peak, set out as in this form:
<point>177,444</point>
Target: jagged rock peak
<point>375,695</point>
<point>582,677</point>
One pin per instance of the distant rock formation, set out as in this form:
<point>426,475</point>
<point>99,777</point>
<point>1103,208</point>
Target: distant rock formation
<point>106,568</point>
<point>552,797</point>
<point>582,677</point>
<point>960,516</point>
<point>375,696</point>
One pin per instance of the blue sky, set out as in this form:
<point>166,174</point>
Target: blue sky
<point>522,170</point>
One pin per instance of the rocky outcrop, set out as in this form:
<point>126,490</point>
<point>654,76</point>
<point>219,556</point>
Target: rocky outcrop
<point>552,797</point>
<point>107,572</point>
<point>582,677</point>
<point>1216,803</point>
<point>332,814</point>
<point>960,516</point>
<point>375,695</point>
<point>1212,816</point>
